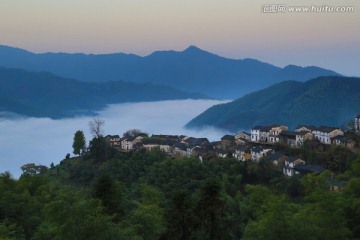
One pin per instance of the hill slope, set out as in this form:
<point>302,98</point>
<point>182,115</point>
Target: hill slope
<point>46,95</point>
<point>320,101</point>
<point>192,70</point>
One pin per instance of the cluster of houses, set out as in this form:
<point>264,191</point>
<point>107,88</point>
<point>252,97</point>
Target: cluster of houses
<point>243,146</point>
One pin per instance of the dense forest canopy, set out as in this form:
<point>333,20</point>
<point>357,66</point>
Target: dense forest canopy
<point>329,101</point>
<point>106,194</point>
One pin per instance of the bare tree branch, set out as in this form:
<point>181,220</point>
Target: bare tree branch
<point>96,127</point>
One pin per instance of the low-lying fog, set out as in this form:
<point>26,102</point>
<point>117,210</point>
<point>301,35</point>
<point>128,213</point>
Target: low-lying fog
<point>43,141</point>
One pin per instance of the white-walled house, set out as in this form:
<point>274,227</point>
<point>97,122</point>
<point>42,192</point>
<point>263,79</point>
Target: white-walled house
<point>114,140</point>
<point>255,134</point>
<point>288,138</point>
<point>127,143</point>
<point>274,138</point>
<point>267,133</point>
<point>242,153</point>
<point>357,124</point>
<point>302,136</point>
<point>290,164</point>
<point>260,133</point>
<point>242,137</point>
<point>277,129</point>
<point>180,149</point>
<point>305,128</point>
<point>324,134</point>
<point>258,152</point>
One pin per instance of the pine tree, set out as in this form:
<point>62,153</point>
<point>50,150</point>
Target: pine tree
<point>79,142</point>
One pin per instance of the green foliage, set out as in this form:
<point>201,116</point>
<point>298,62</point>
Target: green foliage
<point>321,101</point>
<point>79,143</point>
<point>180,216</point>
<point>152,196</point>
<point>147,221</point>
<point>211,213</point>
<point>100,149</point>
<point>32,169</point>
<point>73,216</point>
<point>110,193</point>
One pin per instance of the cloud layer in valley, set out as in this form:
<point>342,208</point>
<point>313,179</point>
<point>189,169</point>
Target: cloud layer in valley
<point>43,141</point>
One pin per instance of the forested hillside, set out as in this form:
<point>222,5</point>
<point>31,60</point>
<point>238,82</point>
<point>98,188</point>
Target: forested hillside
<point>40,94</point>
<point>106,194</point>
<point>329,101</point>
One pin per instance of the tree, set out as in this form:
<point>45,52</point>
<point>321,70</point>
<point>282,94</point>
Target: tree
<point>180,217</point>
<point>96,127</point>
<point>134,133</point>
<point>79,142</point>
<point>147,220</point>
<point>32,169</point>
<point>212,213</point>
<point>110,193</point>
<point>100,149</point>
<point>75,216</point>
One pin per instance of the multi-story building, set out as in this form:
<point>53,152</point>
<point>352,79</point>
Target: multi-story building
<point>357,124</point>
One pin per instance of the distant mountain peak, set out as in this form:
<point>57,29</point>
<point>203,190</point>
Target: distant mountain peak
<point>194,51</point>
<point>292,66</point>
<point>193,48</point>
<point>13,50</point>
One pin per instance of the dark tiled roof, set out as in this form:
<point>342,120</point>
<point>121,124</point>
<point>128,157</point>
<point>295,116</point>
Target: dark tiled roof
<point>302,133</point>
<point>304,169</point>
<point>342,138</point>
<point>241,147</point>
<point>257,149</point>
<point>265,129</point>
<point>276,125</point>
<point>159,141</point>
<point>129,138</point>
<point>358,116</point>
<point>137,145</point>
<point>292,159</point>
<point>192,142</point>
<point>173,137</point>
<point>246,133</point>
<point>257,128</point>
<point>181,146</point>
<point>275,156</point>
<point>228,137</point>
<point>288,133</point>
<point>207,145</point>
<point>112,136</point>
<point>216,143</point>
<point>310,127</point>
<point>222,151</point>
<point>326,129</point>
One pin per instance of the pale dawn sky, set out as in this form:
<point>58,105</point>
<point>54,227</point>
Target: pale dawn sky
<point>231,28</point>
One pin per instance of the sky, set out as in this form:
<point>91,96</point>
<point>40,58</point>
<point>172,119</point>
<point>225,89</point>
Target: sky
<point>231,28</point>
<point>44,141</point>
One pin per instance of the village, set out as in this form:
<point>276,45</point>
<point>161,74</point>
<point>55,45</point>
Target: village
<point>244,146</point>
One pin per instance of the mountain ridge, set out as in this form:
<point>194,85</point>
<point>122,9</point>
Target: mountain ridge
<point>190,70</point>
<point>43,94</point>
<point>320,101</point>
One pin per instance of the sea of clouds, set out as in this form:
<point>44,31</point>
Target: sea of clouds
<point>43,140</point>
